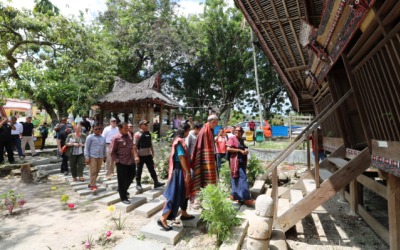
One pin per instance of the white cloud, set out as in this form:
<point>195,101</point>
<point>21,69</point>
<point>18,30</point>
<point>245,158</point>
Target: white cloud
<point>188,7</point>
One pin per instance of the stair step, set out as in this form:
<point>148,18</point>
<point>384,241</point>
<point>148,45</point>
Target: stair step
<point>283,206</point>
<point>339,162</point>
<point>139,244</point>
<point>136,201</point>
<point>295,196</point>
<point>193,222</point>
<point>150,208</point>
<point>80,187</point>
<point>77,183</point>
<point>309,185</point>
<point>154,231</point>
<point>99,195</point>
<point>246,212</point>
<point>238,234</point>
<point>115,198</point>
<point>324,174</point>
<point>87,191</point>
<point>110,182</point>
<point>153,193</point>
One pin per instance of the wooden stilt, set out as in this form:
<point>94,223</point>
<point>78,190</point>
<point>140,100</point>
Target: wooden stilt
<point>393,195</point>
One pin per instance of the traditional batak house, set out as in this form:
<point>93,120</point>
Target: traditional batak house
<point>340,60</point>
<point>143,100</point>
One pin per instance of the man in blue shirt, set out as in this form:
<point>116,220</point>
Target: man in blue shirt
<point>95,155</point>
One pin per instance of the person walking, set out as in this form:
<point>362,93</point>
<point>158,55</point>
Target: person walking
<point>44,132</point>
<point>203,157</point>
<point>220,147</point>
<point>95,154</point>
<point>86,124</point>
<point>61,139</point>
<point>144,153</point>
<point>121,151</point>
<point>178,189</point>
<point>108,133</point>
<point>27,136</point>
<point>238,152</point>
<point>76,143</point>
<point>191,139</point>
<point>16,135</point>
<point>5,140</point>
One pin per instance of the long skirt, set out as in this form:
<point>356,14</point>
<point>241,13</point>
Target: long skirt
<point>175,193</point>
<point>240,187</point>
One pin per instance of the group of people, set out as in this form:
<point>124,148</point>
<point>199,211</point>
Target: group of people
<point>14,134</point>
<point>194,163</point>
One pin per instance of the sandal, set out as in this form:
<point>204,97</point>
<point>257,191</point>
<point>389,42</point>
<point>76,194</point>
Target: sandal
<point>74,179</point>
<point>82,179</point>
<point>166,228</point>
<point>190,217</point>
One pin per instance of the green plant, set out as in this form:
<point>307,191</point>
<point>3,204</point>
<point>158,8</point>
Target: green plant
<point>64,198</point>
<point>119,222</point>
<point>163,162</point>
<point>218,212</point>
<point>254,169</point>
<point>89,242</point>
<point>225,174</point>
<point>146,179</point>
<point>11,200</point>
<point>141,237</point>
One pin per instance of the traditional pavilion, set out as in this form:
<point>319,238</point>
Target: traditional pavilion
<point>339,60</point>
<point>139,101</point>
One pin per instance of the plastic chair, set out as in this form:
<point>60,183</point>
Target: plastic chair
<point>259,136</point>
<point>249,135</point>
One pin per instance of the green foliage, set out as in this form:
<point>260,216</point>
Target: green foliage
<point>254,169</point>
<point>10,200</point>
<point>119,222</point>
<point>218,212</point>
<point>64,198</point>
<point>146,179</point>
<point>225,175</point>
<point>277,120</point>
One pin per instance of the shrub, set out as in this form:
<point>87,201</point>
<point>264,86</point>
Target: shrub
<point>254,169</point>
<point>11,200</point>
<point>225,174</point>
<point>218,212</point>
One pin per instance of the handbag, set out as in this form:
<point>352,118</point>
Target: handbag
<point>64,149</point>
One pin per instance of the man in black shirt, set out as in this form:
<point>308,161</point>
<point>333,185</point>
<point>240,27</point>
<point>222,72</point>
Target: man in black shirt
<point>27,136</point>
<point>61,138</point>
<point>5,140</point>
<point>86,124</point>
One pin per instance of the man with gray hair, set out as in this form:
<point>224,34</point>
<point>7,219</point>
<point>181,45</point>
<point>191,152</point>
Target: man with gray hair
<point>203,157</point>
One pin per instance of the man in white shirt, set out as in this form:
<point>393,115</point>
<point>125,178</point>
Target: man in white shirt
<point>109,132</point>
<point>16,135</point>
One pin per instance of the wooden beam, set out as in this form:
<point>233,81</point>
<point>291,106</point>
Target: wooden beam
<point>393,185</point>
<point>374,224</point>
<point>327,190</point>
<point>375,186</point>
<point>387,149</point>
<point>297,68</point>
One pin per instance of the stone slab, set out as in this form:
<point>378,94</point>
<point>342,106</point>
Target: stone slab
<point>134,243</point>
<point>154,231</point>
<point>110,182</point>
<point>237,237</point>
<point>283,206</point>
<point>80,187</point>
<point>246,212</point>
<point>77,183</point>
<point>88,191</point>
<point>136,201</point>
<point>257,189</point>
<point>99,195</point>
<point>191,223</point>
<point>150,208</point>
<point>115,197</point>
<point>153,193</point>
<point>295,196</point>
<point>309,185</point>
<point>48,166</point>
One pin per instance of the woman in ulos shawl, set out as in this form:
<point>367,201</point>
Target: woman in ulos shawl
<point>237,162</point>
<point>177,191</point>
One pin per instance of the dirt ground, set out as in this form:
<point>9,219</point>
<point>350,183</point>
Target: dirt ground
<point>46,223</point>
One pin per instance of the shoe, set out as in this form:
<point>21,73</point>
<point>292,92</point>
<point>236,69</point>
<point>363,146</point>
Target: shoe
<point>158,184</point>
<point>126,202</point>
<point>190,217</point>
<point>166,228</point>
<point>128,194</point>
<point>250,203</point>
<point>74,179</point>
<point>82,179</point>
<point>94,190</point>
<point>139,188</point>
<point>66,173</point>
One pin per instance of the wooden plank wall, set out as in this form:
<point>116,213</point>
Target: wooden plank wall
<point>330,127</point>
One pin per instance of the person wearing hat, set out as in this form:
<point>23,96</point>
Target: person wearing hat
<point>27,136</point>
<point>108,133</point>
<point>144,153</point>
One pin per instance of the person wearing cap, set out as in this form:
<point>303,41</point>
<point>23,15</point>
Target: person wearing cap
<point>16,135</point>
<point>144,153</point>
<point>121,150</point>
<point>27,136</point>
<point>5,140</point>
<point>108,133</point>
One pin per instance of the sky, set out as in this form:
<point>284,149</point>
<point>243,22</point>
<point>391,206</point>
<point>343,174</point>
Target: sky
<point>92,7</point>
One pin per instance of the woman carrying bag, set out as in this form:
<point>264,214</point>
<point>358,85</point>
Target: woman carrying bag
<point>75,143</point>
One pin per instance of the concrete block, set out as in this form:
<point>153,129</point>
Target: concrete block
<point>135,202</point>
<point>131,243</point>
<point>153,193</point>
<point>246,212</point>
<point>49,166</point>
<point>154,231</point>
<point>295,196</point>
<point>150,208</point>
<point>283,206</point>
<point>115,197</point>
<point>238,234</point>
<point>80,187</point>
<point>110,182</point>
<point>99,195</point>
<point>76,183</point>
<point>309,185</point>
<point>193,222</point>
<point>84,192</point>
<point>257,189</point>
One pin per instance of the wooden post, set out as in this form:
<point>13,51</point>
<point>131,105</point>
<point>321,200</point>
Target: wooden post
<point>26,174</point>
<point>393,198</point>
<point>308,156</point>
<point>274,193</point>
<point>101,117</point>
<point>290,126</point>
<point>316,156</point>
<point>353,197</point>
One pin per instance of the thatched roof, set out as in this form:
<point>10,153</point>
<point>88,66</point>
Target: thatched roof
<point>148,90</point>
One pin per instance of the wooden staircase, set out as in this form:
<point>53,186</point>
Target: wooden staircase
<point>335,173</point>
